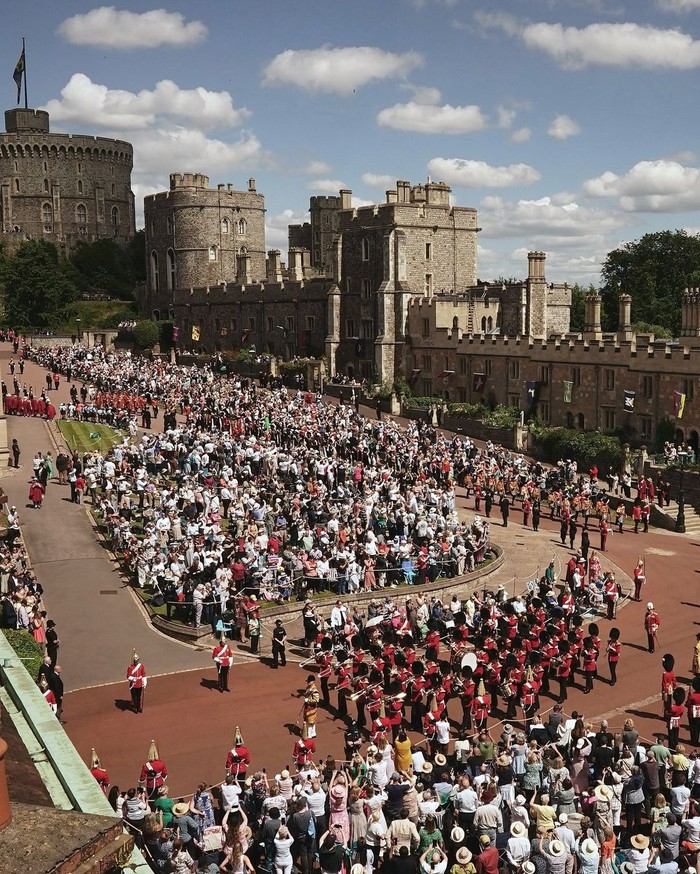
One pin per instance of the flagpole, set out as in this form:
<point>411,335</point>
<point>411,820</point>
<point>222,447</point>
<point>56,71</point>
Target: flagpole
<point>24,55</point>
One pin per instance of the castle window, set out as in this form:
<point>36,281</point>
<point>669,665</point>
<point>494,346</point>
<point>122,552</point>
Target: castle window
<point>47,217</point>
<point>514,369</point>
<point>428,285</point>
<point>46,167</point>
<point>153,228</point>
<point>80,167</point>
<point>543,407</point>
<point>16,184</point>
<point>609,379</point>
<point>688,388</point>
<point>483,324</point>
<point>645,426</point>
<point>647,386</point>
<point>224,226</point>
<point>251,323</point>
<point>463,365</point>
<point>241,227</point>
<point>366,288</point>
<point>426,328</point>
<point>311,323</point>
<point>609,418</point>
<point>428,251</point>
<point>426,363</point>
<point>81,214</point>
<point>514,401</point>
<point>46,186</point>
<point>234,326</point>
<point>368,329</point>
<point>365,249</point>
<point>80,186</point>
<point>290,324</point>
<point>114,189</point>
<point>427,387</point>
<point>487,367</point>
<point>172,280</point>
<point>350,329</point>
<point>115,215</point>
<point>581,422</point>
<point>169,224</point>
<point>544,374</point>
<point>155,281</point>
<point>212,253</point>
<point>270,324</point>
<point>576,376</point>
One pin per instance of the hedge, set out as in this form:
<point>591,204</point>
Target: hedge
<point>28,650</point>
<point>586,448</point>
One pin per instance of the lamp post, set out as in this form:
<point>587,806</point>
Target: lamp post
<point>680,518</point>
<point>77,323</point>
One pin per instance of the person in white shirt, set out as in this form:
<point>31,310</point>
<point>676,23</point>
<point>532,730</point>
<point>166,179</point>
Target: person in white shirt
<point>518,847</point>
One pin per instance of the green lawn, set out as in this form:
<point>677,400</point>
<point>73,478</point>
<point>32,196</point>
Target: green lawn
<point>88,437</point>
<point>97,314</point>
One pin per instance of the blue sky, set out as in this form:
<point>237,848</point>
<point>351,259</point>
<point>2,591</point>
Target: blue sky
<point>571,125</point>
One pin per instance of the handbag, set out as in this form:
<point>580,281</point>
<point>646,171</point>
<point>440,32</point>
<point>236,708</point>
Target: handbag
<point>212,838</point>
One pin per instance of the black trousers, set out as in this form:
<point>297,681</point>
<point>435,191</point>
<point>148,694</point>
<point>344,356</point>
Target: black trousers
<point>137,698</point>
<point>223,677</point>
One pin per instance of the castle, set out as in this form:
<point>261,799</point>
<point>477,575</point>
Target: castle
<point>64,188</point>
<point>389,292</point>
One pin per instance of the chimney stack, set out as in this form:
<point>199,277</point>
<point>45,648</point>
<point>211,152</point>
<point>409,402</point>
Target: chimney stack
<point>274,265</point>
<point>625,327</point>
<point>591,324</point>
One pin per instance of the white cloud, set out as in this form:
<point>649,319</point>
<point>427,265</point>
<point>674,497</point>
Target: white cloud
<point>383,181</point>
<point>326,186</point>
<point>424,93</point>
<point>546,223</point>
<point>276,235</point>
<point>678,5</point>
<point>650,186</point>
<point>506,116</point>
<point>606,44</point>
<point>317,168</point>
<point>479,174</point>
<point>426,119</point>
<point>563,127</point>
<point>112,28</point>
<point>357,202</point>
<point>338,70</point>
<point>86,102</point>
<point>165,149</point>
<point>521,135</point>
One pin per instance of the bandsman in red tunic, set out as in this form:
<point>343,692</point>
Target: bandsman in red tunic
<point>223,658</point>
<point>238,758</point>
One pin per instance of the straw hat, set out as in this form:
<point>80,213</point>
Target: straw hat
<point>463,856</point>
<point>457,835</point>
<point>639,842</point>
<point>503,760</point>
<point>557,849</point>
<point>603,792</point>
<point>357,869</point>
<point>626,868</point>
<point>181,808</point>
<point>588,848</point>
<point>529,867</point>
<point>427,768</point>
<point>440,760</point>
<point>518,830</point>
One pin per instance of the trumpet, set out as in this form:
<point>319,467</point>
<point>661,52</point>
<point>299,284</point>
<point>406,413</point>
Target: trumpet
<point>361,692</point>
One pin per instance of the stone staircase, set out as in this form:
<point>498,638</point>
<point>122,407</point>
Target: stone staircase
<point>692,518</point>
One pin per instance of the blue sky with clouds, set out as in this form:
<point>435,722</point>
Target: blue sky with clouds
<point>571,125</point>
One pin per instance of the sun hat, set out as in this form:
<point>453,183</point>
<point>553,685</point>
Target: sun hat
<point>627,868</point>
<point>528,867</point>
<point>427,768</point>
<point>603,792</point>
<point>440,760</point>
<point>457,835</point>
<point>588,847</point>
<point>463,856</point>
<point>563,818</point>
<point>520,799</point>
<point>181,808</point>
<point>639,842</point>
<point>517,830</point>
<point>556,849</point>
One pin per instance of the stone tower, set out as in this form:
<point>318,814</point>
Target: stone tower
<point>65,188</point>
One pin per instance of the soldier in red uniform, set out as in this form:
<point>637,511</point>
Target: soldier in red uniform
<point>563,668</point>
<point>481,707</point>
<point>693,705</point>
<point>673,717</point>
<point>344,675</point>
<point>304,750</point>
<point>98,772</point>
<point>223,658</point>
<point>589,656</point>
<point>614,649</point>
<point>651,625</point>
<point>137,679</point>
<point>154,772</point>
<point>238,758</point>
<point>669,683</point>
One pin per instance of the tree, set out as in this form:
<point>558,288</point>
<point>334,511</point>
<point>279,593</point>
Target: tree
<point>146,334</point>
<point>578,307</point>
<point>654,271</point>
<point>106,266</point>
<point>38,290</point>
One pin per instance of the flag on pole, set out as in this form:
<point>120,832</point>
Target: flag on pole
<point>478,382</point>
<point>195,333</point>
<point>531,392</point>
<point>17,75</point>
<point>176,334</point>
<point>678,404</point>
<point>568,385</point>
<point>629,401</point>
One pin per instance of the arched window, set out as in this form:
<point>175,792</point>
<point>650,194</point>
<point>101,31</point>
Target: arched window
<point>171,269</point>
<point>114,189</point>
<point>115,215</point>
<point>581,423</point>
<point>489,324</point>
<point>224,226</point>
<point>46,186</point>
<point>483,324</point>
<point>241,227</point>
<point>155,281</point>
<point>212,253</point>
<point>455,323</point>
<point>365,249</point>
<point>80,186</point>
<point>569,420</point>
<point>169,224</point>
<point>47,216</point>
<point>81,214</point>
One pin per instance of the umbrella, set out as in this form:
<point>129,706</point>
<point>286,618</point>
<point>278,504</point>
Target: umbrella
<point>377,620</point>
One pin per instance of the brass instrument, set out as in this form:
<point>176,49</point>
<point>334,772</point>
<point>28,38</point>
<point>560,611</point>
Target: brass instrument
<point>361,692</point>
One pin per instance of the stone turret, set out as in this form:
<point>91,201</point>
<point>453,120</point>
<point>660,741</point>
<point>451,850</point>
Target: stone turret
<point>625,328</point>
<point>690,313</point>
<point>274,265</point>
<point>591,323</point>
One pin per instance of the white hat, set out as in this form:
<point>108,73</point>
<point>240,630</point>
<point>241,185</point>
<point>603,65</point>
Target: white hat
<point>517,829</point>
<point>528,867</point>
<point>557,849</point>
<point>588,847</point>
<point>650,606</point>
<point>563,818</point>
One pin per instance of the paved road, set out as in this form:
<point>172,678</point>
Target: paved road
<point>99,623</point>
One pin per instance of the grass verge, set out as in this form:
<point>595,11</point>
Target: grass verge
<point>88,437</point>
